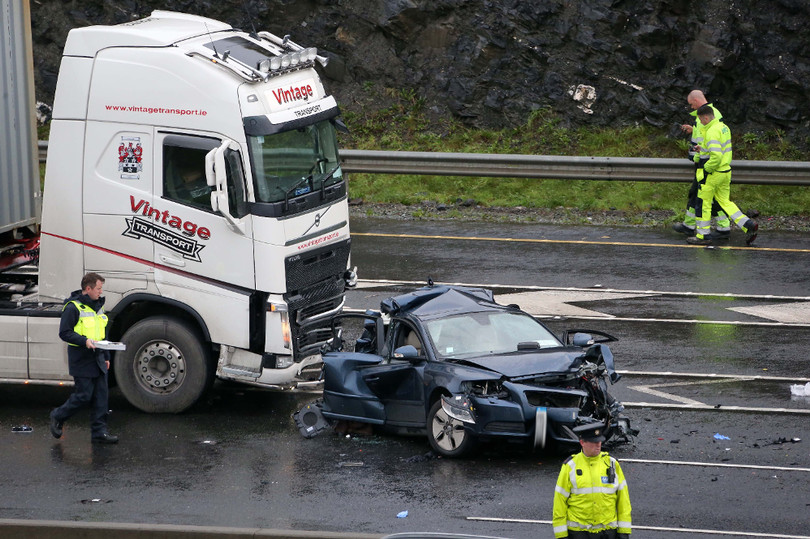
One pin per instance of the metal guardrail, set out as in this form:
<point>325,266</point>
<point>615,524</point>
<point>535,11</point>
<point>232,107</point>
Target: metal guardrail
<point>639,169</point>
<point>565,167</point>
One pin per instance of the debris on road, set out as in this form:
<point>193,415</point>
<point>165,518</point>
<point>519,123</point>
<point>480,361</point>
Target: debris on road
<point>798,390</point>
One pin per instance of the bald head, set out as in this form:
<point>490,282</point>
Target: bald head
<point>696,99</point>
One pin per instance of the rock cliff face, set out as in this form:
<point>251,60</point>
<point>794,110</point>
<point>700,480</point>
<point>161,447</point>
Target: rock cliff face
<point>491,62</point>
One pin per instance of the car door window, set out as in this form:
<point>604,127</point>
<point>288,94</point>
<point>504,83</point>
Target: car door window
<point>405,334</point>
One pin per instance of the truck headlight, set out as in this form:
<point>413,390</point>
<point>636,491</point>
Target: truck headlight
<point>282,311</point>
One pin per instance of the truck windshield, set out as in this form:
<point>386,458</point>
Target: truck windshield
<point>294,163</point>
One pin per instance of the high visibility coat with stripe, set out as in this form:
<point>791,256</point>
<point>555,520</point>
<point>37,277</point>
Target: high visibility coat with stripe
<point>717,141</point>
<point>699,132</point>
<point>585,499</point>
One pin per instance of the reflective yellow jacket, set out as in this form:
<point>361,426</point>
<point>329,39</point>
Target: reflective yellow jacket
<point>699,132</point>
<point>717,141</point>
<point>91,324</point>
<point>586,499</point>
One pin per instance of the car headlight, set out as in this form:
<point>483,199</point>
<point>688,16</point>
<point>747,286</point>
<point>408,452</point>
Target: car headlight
<point>458,408</point>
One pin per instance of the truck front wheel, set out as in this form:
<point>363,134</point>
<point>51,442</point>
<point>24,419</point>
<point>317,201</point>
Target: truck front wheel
<point>166,366</point>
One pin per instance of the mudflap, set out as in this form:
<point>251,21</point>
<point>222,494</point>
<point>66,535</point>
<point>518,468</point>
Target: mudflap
<point>310,420</point>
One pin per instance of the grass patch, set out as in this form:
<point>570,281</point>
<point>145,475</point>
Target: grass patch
<point>405,126</point>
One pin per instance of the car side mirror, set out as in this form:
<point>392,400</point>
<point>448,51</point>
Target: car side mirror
<point>408,352</point>
<point>582,339</point>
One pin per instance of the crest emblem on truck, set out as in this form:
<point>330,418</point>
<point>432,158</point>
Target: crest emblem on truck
<point>130,155</point>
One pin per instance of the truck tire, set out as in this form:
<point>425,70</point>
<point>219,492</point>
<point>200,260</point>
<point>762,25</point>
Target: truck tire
<point>166,366</point>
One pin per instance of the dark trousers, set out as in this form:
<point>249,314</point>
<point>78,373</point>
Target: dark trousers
<point>88,392</point>
<point>604,534</point>
<point>696,204</point>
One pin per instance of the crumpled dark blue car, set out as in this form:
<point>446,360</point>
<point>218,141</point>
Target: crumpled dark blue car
<point>450,362</point>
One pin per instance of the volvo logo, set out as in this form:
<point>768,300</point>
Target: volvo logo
<point>317,222</point>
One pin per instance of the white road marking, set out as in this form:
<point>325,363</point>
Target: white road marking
<point>384,282</point>
<point>783,315</point>
<point>791,313</point>
<point>649,389</point>
<point>765,377</point>
<point>718,465</point>
<point>717,408</point>
<point>655,393</point>
<point>555,302</point>
<point>655,528</point>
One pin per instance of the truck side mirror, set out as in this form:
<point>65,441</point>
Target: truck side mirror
<point>216,175</point>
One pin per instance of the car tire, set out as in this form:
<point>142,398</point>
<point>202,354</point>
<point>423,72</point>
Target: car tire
<point>166,366</point>
<point>447,436</point>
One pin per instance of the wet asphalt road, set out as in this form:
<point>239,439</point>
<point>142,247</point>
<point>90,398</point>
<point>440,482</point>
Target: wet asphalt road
<point>237,460</point>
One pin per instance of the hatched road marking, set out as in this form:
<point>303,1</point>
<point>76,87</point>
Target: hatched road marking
<point>791,313</point>
<point>555,302</point>
<point>547,302</point>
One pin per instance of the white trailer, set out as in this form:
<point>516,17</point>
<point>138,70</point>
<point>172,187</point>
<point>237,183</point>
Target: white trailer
<point>196,168</point>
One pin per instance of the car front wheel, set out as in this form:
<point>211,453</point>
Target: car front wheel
<point>447,435</point>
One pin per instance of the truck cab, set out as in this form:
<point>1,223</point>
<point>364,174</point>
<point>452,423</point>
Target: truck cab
<point>196,168</point>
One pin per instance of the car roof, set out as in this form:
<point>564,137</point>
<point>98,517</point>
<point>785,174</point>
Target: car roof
<point>441,300</point>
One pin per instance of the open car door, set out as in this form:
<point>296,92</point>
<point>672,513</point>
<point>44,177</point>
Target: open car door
<point>397,380</point>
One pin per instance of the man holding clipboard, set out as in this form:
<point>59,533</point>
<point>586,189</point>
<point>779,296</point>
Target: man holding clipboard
<point>82,326</point>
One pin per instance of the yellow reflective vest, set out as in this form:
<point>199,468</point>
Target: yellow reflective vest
<point>717,141</point>
<point>591,495</point>
<point>699,133</point>
<point>91,324</point>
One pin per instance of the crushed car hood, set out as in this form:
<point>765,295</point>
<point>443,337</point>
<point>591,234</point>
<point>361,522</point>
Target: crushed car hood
<point>558,360</point>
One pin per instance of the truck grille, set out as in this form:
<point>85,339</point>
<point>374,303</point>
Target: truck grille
<point>315,291</point>
<point>306,269</point>
<point>310,340</point>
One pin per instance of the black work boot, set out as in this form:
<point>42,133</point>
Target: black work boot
<point>683,229</point>
<point>694,240</point>
<point>751,229</point>
<point>56,426</point>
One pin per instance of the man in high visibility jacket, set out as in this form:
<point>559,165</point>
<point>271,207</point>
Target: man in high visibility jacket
<point>697,99</point>
<point>83,323</point>
<point>714,180</point>
<point>591,500</point>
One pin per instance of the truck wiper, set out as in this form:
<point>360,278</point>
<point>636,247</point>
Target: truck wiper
<point>326,177</point>
<point>304,180</point>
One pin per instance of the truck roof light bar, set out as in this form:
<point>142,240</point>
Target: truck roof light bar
<point>274,65</point>
<point>290,45</point>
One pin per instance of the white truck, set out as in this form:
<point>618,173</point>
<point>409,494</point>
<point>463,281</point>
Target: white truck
<point>196,168</point>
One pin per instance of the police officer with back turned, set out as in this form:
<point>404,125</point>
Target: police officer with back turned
<point>83,323</point>
<point>591,499</point>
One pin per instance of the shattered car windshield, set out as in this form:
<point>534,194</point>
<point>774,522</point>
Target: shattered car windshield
<point>487,333</point>
<point>295,162</point>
